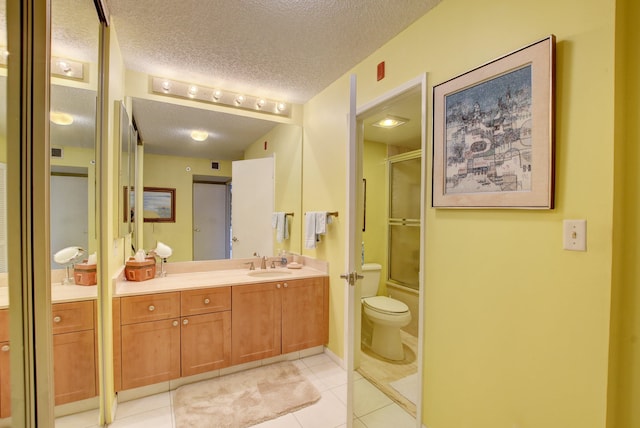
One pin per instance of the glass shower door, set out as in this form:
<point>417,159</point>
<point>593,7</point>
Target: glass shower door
<point>404,219</point>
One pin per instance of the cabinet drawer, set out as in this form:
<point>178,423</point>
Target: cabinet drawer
<point>73,316</point>
<point>4,325</point>
<point>202,301</point>
<point>149,307</point>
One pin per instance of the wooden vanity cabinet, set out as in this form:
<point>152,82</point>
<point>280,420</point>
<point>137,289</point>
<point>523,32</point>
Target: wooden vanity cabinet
<point>74,351</point>
<point>150,339</point>
<point>256,319</point>
<point>305,312</point>
<point>167,335</point>
<point>206,330</point>
<point>5,381</point>
<point>279,317</point>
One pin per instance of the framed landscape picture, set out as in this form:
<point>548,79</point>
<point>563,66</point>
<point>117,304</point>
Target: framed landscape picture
<point>159,204</point>
<point>493,133</point>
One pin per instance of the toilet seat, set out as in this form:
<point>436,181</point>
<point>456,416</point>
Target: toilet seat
<point>385,305</point>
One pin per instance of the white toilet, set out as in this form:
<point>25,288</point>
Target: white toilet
<point>382,317</point>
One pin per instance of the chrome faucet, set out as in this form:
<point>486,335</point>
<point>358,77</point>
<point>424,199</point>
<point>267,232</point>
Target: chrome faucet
<point>263,262</point>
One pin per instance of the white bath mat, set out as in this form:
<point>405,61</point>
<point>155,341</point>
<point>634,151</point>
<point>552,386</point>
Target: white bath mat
<point>243,399</point>
<point>408,387</point>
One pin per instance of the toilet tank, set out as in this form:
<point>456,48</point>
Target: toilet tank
<point>371,280</point>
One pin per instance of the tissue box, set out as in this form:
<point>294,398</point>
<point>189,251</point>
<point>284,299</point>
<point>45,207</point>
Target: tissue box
<point>85,274</point>
<point>140,271</point>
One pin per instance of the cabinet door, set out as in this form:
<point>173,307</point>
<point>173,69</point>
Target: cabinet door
<point>117,345</point>
<point>150,352</point>
<point>256,322</point>
<point>304,314</point>
<point>5,381</point>
<point>74,366</point>
<point>205,342</point>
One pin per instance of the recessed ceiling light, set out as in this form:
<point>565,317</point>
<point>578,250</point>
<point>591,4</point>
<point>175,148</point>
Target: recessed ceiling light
<point>60,118</point>
<point>199,135</point>
<point>390,122</point>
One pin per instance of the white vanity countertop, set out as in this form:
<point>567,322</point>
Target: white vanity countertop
<point>59,294</point>
<point>215,278</point>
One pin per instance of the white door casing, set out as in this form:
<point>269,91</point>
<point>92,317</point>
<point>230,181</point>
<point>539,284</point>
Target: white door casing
<point>355,207</point>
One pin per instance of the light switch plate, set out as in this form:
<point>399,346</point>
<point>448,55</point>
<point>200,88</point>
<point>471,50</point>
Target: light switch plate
<point>574,235</point>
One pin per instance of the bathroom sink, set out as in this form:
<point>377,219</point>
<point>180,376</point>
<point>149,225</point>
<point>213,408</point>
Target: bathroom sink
<point>269,273</point>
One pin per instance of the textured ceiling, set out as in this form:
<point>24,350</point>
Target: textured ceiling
<point>282,49</point>
<point>166,130</point>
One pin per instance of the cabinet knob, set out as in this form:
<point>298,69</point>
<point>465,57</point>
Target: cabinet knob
<point>175,323</point>
<point>5,348</point>
<point>286,285</point>
<point>57,318</point>
<point>185,321</point>
<point>207,301</point>
<point>152,308</point>
<point>278,286</point>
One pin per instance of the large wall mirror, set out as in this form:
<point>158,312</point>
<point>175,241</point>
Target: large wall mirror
<point>75,32</point>
<point>199,173</point>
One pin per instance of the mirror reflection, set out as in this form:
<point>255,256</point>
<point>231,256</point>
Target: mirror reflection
<point>208,222</point>
<point>73,99</point>
<point>391,253</point>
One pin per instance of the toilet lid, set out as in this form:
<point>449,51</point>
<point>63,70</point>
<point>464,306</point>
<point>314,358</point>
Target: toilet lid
<point>386,304</point>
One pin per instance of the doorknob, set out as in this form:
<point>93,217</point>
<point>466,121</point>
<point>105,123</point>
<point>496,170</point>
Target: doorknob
<point>197,229</point>
<point>351,277</point>
<point>234,239</point>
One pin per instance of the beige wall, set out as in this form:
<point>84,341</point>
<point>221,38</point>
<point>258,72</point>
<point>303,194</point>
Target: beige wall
<point>516,329</point>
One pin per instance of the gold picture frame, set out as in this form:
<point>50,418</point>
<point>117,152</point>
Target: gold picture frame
<point>493,133</point>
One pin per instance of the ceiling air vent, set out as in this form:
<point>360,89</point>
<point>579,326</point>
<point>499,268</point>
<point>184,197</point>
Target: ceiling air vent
<point>215,165</point>
<point>56,152</point>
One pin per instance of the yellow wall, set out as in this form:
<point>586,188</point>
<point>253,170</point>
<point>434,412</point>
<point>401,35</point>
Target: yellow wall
<point>323,184</point>
<point>624,387</point>
<point>285,142</point>
<point>516,329</point>
<point>375,234</point>
<point>171,171</point>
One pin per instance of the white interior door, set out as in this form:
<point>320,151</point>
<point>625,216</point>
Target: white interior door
<point>210,221</point>
<point>252,204</point>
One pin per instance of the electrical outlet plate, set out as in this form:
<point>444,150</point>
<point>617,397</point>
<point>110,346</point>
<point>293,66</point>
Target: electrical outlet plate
<point>574,235</point>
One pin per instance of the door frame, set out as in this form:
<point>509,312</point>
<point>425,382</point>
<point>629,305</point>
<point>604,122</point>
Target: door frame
<point>354,169</point>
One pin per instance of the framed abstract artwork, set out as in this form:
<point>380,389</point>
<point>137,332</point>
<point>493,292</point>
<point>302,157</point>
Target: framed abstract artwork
<point>493,133</point>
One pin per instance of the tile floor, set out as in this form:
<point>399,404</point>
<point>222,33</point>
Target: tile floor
<point>372,408</point>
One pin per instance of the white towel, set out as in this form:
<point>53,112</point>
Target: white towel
<point>280,222</point>
<point>321,222</point>
<point>310,230</point>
